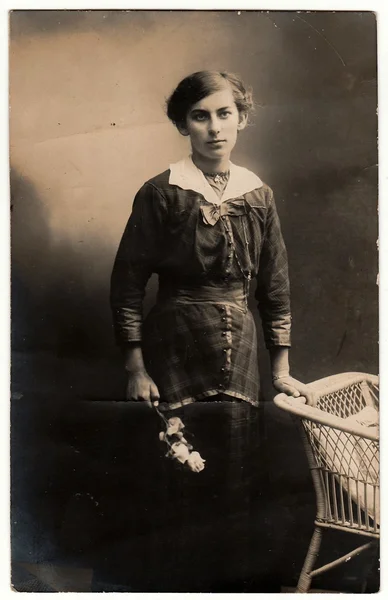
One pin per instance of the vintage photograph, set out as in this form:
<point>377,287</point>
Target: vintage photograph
<point>194,274</point>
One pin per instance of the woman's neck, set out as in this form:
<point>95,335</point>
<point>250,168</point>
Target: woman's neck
<point>219,165</point>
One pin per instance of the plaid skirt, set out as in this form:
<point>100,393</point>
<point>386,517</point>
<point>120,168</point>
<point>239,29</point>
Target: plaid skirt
<point>201,342</point>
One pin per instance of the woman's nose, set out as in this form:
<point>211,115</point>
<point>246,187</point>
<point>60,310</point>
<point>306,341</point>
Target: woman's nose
<point>214,126</point>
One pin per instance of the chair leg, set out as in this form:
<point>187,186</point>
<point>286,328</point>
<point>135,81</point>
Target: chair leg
<point>312,554</point>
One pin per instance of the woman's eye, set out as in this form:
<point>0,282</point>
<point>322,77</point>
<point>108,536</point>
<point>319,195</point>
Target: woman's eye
<point>199,117</point>
<point>225,114</point>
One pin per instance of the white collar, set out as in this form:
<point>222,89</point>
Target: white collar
<point>187,176</point>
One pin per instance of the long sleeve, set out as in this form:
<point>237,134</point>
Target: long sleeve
<point>273,287</point>
<point>137,258</point>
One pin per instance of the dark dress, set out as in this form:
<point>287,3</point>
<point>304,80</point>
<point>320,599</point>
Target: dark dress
<point>200,348</point>
<point>200,338</point>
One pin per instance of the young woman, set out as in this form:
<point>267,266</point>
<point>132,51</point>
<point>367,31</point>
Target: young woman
<point>209,229</point>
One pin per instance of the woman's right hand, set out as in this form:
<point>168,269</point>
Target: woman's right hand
<point>141,388</point>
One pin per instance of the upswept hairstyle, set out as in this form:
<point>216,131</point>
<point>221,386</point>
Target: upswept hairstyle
<point>197,86</point>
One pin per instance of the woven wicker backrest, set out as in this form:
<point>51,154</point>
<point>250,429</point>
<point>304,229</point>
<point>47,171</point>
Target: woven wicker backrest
<point>348,464</point>
<point>349,400</point>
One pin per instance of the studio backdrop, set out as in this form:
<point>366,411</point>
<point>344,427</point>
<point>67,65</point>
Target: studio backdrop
<point>87,129</point>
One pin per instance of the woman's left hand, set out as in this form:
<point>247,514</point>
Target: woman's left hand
<point>292,387</point>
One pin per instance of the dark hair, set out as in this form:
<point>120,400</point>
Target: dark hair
<point>198,85</point>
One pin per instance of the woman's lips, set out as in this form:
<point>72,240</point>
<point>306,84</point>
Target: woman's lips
<point>216,142</point>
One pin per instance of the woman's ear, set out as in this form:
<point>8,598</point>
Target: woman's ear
<point>243,118</point>
<point>182,128</point>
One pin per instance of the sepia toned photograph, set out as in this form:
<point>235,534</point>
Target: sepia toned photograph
<point>194,301</point>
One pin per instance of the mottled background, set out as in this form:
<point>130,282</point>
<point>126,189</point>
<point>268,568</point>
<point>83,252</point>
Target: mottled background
<point>87,92</point>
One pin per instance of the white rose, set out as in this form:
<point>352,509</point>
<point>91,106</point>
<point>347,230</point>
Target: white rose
<point>196,462</point>
<point>174,425</point>
<point>180,452</point>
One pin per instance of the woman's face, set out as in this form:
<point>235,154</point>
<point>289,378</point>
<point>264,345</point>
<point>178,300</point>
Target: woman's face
<point>212,124</point>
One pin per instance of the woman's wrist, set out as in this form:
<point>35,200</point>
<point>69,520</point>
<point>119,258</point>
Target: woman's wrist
<point>281,375</point>
<point>132,371</point>
<point>133,359</point>
<point>279,362</point>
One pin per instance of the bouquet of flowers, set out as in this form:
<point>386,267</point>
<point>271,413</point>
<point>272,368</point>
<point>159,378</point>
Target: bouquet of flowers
<point>178,446</point>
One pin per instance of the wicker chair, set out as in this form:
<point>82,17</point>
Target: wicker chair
<point>343,453</point>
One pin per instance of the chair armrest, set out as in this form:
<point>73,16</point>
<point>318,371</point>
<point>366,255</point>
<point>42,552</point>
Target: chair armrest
<point>333,383</point>
<point>299,408</point>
